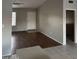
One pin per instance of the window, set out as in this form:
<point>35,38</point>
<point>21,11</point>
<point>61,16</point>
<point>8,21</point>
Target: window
<point>13,18</point>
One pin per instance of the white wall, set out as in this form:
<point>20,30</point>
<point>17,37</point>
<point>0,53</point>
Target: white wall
<point>51,19</point>
<point>6,30</point>
<point>31,20</point>
<point>25,19</point>
<point>71,5</point>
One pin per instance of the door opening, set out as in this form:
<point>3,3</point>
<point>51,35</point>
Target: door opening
<point>70,26</point>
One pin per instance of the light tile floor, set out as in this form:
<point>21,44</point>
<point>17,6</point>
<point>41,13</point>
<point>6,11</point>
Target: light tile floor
<point>60,52</point>
<point>70,50</point>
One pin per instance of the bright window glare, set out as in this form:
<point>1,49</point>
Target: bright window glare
<point>13,18</point>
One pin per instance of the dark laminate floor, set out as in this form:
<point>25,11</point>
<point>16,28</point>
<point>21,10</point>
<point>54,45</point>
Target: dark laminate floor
<point>29,39</point>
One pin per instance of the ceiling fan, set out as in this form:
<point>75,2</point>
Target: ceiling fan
<point>16,3</point>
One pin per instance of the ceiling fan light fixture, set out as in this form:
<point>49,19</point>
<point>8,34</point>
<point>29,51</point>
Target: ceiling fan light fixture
<point>18,3</point>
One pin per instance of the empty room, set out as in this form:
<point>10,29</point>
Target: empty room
<point>39,29</point>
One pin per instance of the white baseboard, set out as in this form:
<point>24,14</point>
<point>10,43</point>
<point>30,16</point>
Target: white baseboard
<point>51,38</point>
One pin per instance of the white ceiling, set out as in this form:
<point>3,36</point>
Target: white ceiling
<point>28,3</point>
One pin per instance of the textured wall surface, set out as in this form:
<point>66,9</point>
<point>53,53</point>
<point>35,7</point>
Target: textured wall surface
<point>51,19</point>
<point>7,27</point>
<point>25,19</point>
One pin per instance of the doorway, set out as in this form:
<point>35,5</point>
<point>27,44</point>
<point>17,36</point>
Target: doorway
<point>70,26</point>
